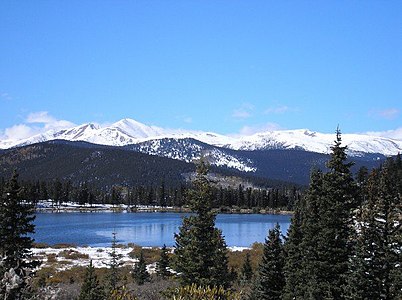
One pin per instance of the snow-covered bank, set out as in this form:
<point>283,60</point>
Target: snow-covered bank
<point>80,256</point>
<point>49,205</point>
<point>69,257</point>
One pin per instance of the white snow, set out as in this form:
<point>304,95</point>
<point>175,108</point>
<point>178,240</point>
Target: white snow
<point>128,131</point>
<point>317,142</point>
<point>100,256</point>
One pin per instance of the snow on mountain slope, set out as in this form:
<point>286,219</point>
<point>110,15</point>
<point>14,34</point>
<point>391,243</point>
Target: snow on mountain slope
<point>317,142</point>
<point>78,133</point>
<point>136,129</point>
<point>189,149</point>
<point>128,131</point>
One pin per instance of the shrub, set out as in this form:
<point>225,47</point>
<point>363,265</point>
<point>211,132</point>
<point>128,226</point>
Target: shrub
<point>51,258</point>
<point>63,245</point>
<point>73,254</point>
<point>194,292</point>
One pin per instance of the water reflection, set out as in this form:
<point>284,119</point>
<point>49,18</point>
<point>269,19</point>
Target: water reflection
<point>146,229</point>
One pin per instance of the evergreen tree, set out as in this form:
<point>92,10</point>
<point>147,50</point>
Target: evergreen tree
<point>162,194</point>
<point>247,269</point>
<point>309,264</point>
<point>16,224</point>
<point>200,250</point>
<point>271,279</point>
<point>376,267</point>
<point>140,273</point>
<point>323,232</point>
<point>91,289</point>
<point>114,265</point>
<point>334,245</point>
<point>163,264</point>
<point>294,287</point>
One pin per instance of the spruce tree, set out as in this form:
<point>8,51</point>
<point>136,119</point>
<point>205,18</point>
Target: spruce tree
<point>308,273</point>
<point>140,273</point>
<point>334,236</point>
<point>293,271</point>
<point>114,265</point>
<point>163,263</point>
<point>91,289</point>
<point>16,228</point>
<point>323,232</point>
<point>375,268</point>
<point>271,279</point>
<point>200,250</point>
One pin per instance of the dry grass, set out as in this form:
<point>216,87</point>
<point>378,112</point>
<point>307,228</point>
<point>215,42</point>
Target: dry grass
<point>51,258</point>
<point>237,258</point>
<point>63,245</point>
<point>40,245</point>
<point>73,254</point>
<point>151,255</point>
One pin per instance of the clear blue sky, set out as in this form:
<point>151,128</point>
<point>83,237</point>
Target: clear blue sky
<point>222,66</point>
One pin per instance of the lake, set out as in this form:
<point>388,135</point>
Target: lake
<point>146,229</point>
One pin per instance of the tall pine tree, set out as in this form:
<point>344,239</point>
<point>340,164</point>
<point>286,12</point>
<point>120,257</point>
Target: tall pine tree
<point>16,226</point>
<point>294,287</point>
<point>324,233</point>
<point>200,250</point>
<point>376,271</point>
<point>271,279</point>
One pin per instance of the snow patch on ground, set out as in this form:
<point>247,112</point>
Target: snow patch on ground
<point>100,256</point>
<point>68,257</point>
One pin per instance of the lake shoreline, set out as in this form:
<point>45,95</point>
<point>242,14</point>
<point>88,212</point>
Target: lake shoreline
<point>48,206</point>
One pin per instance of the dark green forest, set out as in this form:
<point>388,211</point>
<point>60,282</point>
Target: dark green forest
<point>159,195</point>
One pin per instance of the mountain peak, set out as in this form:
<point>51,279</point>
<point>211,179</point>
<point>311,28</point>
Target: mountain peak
<point>136,129</point>
<point>128,131</point>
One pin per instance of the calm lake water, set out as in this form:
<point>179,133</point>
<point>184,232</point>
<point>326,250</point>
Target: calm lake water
<point>146,229</point>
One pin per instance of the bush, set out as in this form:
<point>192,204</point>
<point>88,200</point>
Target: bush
<point>73,254</point>
<point>194,292</point>
<point>40,245</point>
<point>151,255</point>
<point>63,245</point>
<point>51,258</point>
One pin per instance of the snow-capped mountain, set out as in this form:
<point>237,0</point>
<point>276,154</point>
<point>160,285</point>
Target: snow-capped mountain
<point>317,142</point>
<point>189,149</point>
<point>221,149</point>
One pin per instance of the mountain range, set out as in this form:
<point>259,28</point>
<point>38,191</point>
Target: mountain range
<point>128,132</point>
<point>254,154</point>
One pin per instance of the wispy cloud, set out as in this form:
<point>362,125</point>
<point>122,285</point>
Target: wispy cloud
<point>48,122</point>
<point>184,119</point>
<point>5,96</point>
<point>19,132</point>
<point>388,114</point>
<point>35,123</point>
<point>40,117</point>
<point>188,120</point>
<point>252,129</point>
<point>277,110</point>
<point>243,112</point>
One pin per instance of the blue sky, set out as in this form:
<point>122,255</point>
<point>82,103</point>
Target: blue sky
<point>223,66</point>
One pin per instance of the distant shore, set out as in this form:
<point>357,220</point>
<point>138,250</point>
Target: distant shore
<point>49,206</point>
